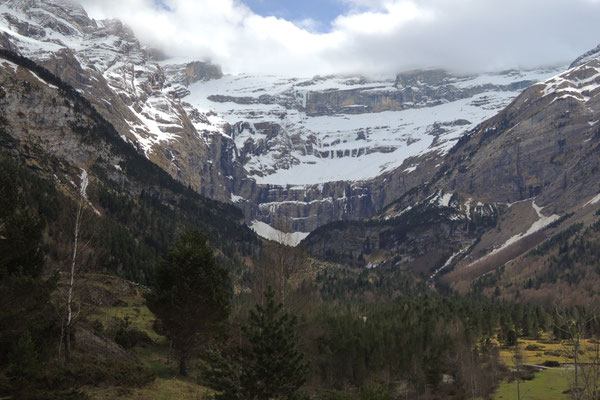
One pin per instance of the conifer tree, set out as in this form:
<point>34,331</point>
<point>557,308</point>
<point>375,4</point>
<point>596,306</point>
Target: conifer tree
<point>272,367</point>
<point>190,295</point>
<point>25,366</point>
<point>275,368</point>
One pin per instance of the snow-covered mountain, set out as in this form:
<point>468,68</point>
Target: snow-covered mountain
<point>123,79</point>
<point>292,152</point>
<point>523,176</point>
<point>293,131</point>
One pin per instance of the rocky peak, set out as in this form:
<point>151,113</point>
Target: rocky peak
<point>181,76</point>
<point>124,81</point>
<point>116,28</point>
<point>584,58</point>
<point>63,17</point>
<point>432,77</point>
<point>201,71</point>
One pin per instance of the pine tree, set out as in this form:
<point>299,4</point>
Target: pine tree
<point>274,367</point>
<point>190,295</point>
<point>223,375</point>
<point>24,366</point>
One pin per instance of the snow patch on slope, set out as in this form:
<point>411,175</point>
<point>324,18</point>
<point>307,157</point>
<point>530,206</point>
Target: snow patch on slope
<point>268,232</point>
<point>449,262</point>
<point>538,225</point>
<point>593,201</point>
<point>569,85</point>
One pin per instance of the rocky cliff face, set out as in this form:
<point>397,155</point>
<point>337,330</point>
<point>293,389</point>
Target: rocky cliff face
<point>423,238</point>
<point>543,145</point>
<point>125,81</point>
<point>422,88</point>
<point>355,157</point>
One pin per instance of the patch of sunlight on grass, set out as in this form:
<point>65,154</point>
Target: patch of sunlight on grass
<point>139,316</point>
<point>160,389</point>
<point>171,389</point>
<point>547,384</point>
<point>544,349</point>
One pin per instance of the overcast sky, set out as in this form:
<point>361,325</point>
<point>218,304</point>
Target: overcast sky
<point>309,37</point>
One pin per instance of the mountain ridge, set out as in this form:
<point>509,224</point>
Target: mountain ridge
<point>48,127</point>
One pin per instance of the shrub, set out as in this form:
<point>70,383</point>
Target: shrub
<point>132,337</point>
<point>96,373</point>
<point>552,353</point>
<point>374,392</point>
<point>534,347</point>
<point>97,327</point>
<point>551,364</point>
<point>129,336</point>
<point>24,362</point>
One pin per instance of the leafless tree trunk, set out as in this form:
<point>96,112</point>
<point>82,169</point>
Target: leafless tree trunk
<point>574,327</point>
<point>277,265</point>
<point>68,324</point>
<point>518,363</point>
<point>473,378</point>
<point>591,374</point>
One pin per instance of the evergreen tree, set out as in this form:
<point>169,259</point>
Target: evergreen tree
<point>274,368</point>
<point>223,375</point>
<point>190,295</point>
<point>25,366</point>
<point>24,294</point>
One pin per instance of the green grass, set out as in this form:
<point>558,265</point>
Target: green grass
<point>139,316</point>
<point>135,308</point>
<point>167,384</point>
<point>549,350</point>
<point>160,389</point>
<point>548,384</point>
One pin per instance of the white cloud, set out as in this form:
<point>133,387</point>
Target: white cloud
<point>374,37</point>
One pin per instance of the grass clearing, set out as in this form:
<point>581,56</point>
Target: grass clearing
<point>545,349</point>
<point>547,384</point>
<point>160,389</point>
<point>156,356</point>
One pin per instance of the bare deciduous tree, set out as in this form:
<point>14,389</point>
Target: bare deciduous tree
<point>72,309</point>
<point>517,359</point>
<point>282,267</point>
<point>583,349</point>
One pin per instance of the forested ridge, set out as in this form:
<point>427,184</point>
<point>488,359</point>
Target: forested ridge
<point>140,213</point>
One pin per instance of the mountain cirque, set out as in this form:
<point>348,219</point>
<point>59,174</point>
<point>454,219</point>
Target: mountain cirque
<point>298,153</point>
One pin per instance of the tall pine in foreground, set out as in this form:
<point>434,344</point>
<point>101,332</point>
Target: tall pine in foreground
<point>272,367</point>
<point>190,295</point>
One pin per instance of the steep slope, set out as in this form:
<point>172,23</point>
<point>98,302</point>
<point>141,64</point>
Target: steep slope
<point>135,209</point>
<point>123,80</point>
<point>533,163</point>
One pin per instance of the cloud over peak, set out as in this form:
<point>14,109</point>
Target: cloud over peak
<point>372,37</point>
